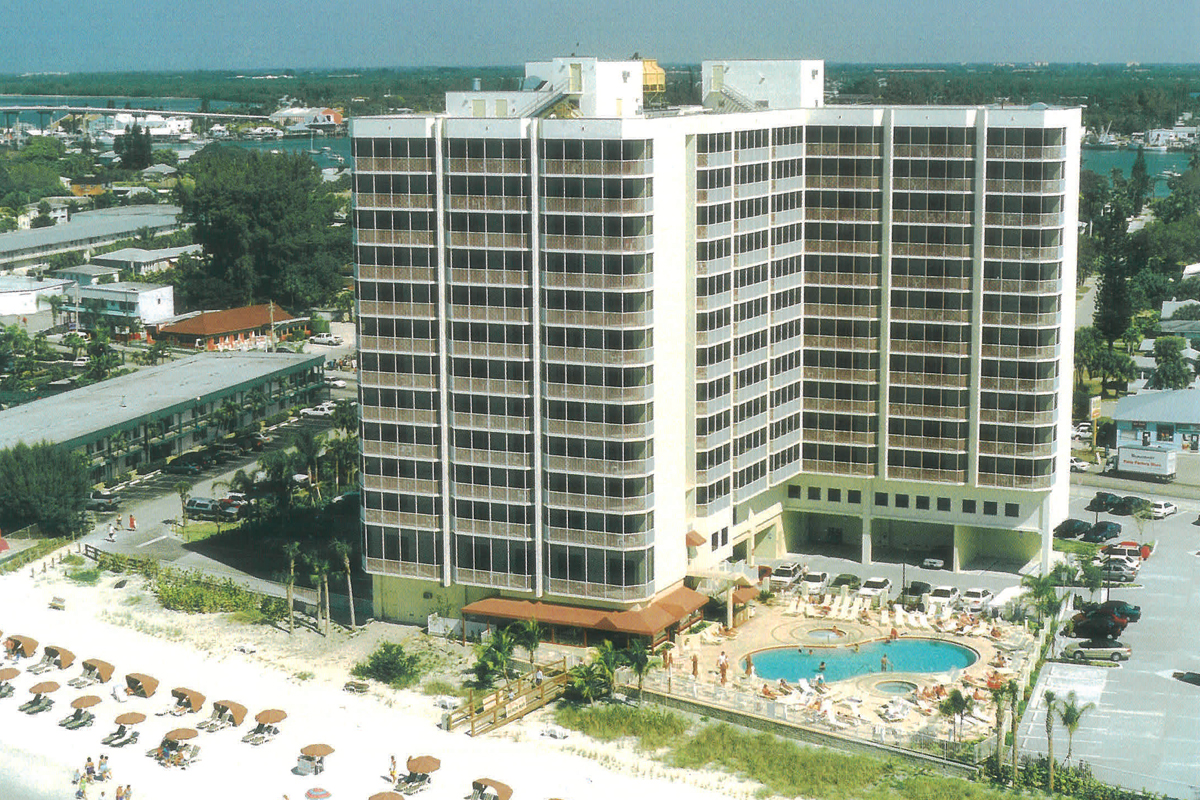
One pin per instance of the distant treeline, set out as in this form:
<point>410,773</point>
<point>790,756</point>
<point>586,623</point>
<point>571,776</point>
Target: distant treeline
<point>1128,99</point>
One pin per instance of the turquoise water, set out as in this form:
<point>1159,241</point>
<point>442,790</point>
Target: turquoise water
<point>1105,161</point>
<point>904,655</point>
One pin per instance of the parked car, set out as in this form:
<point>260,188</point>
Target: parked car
<point>207,508</point>
<point>1161,509</point>
<point>876,587</point>
<point>944,595</point>
<point>1098,627</point>
<point>975,600</point>
<point>1079,465</point>
<point>1082,430</point>
<point>1131,551</point>
<point>915,593</point>
<point>1133,562</point>
<point>852,582</point>
<point>1131,504</point>
<point>1118,572</point>
<point>82,361</point>
<point>1071,528</point>
<point>1104,501</point>
<point>1102,532</point>
<point>178,467</point>
<point>814,583</point>
<point>335,383</point>
<point>1120,608</point>
<point>325,409</point>
<point>200,458</point>
<point>253,440</point>
<point>102,501</point>
<point>325,338</point>
<point>784,576</point>
<point>1098,650</point>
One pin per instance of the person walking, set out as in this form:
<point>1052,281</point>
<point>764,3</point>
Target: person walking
<point>723,666</point>
<point>132,523</point>
<point>120,524</point>
<point>112,533</point>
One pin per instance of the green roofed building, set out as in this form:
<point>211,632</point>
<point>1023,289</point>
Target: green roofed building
<point>161,411</point>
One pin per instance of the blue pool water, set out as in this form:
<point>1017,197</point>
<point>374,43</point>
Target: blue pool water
<point>904,655</point>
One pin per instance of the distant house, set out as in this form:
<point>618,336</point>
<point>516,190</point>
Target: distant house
<point>305,119</point>
<point>141,262</point>
<point>88,274</point>
<point>246,328</point>
<point>21,295</point>
<point>60,212</point>
<point>86,231</point>
<point>125,306</point>
<point>1165,418</point>
<point>158,172</point>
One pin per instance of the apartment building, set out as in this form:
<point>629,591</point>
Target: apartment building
<point>606,347</point>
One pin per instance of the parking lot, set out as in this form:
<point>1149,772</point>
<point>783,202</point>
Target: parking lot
<point>1145,729</point>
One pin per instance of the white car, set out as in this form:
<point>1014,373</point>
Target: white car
<point>876,587</point>
<point>1079,465</point>
<point>1082,431</point>
<point>325,338</point>
<point>814,583</point>
<point>323,410</point>
<point>784,576</point>
<point>1161,509</point>
<point>975,600</point>
<point>82,361</point>
<point>336,383</point>
<point>944,595</point>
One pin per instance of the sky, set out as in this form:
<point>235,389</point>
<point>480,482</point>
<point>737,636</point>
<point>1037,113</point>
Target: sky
<point>118,35</point>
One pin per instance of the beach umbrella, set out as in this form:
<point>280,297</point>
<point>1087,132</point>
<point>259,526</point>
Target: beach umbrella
<point>45,687</point>
<point>65,657</point>
<point>130,718</point>
<point>103,669</point>
<point>87,701</point>
<point>272,716</point>
<point>141,684</point>
<point>181,734</point>
<point>316,750</point>
<point>317,793</point>
<point>194,700</point>
<point>423,765</point>
<point>237,711</point>
<point>503,792</point>
<point>387,796</point>
<point>8,673</point>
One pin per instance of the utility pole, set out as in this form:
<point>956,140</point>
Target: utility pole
<point>271,311</point>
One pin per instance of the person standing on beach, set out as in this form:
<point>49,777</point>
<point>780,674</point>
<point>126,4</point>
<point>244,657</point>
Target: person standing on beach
<point>392,769</point>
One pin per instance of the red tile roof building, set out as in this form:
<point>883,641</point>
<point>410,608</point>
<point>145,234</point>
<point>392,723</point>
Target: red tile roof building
<point>242,328</point>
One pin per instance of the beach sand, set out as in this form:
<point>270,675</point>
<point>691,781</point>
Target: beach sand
<point>303,675</point>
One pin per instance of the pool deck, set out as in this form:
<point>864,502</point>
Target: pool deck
<point>855,707</point>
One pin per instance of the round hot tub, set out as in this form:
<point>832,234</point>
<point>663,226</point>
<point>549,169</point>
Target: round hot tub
<point>825,635</point>
<point>895,688</point>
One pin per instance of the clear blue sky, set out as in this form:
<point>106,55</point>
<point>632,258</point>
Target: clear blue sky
<point>110,35</point>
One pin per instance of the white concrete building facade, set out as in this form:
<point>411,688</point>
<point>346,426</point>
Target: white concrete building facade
<point>600,352</point>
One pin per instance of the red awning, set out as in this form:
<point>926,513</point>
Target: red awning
<point>676,605</point>
<point>744,595</point>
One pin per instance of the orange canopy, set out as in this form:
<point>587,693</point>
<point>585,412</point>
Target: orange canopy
<point>22,645</point>
<point>316,750</point>
<point>141,684</point>
<point>193,699</point>
<point>87,701</point>
<point>45,687</point>
<point>130,718</point>
<point>8,673</point>
<point>423,765</point>
<point>503,792</point>
<point>64,656</point>
<point>271,716</point>
<point>181,734</point>
<point>103,669</point>
<point>237,711</point>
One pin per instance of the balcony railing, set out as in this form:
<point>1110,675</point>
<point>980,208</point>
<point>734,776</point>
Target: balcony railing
<point>1001,416</point>
<point>1025,187</point>
<point>1016,481</point>
<point>927,475</point>
<point>1017,449</point>
<point>472,202</point>
<point>931,443</point>
<point>1038,288</point>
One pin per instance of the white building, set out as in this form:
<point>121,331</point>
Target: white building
<point>607,350</point>
<point>119,304</point>
<point>21,295</point>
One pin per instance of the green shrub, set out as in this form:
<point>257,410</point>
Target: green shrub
<point>652,727</point>
<point>194,593</point>
<point>88,577</point>
<point>437,687</point>
<point>391,665</point>
<point>30,554</point>
<point>73,560</point>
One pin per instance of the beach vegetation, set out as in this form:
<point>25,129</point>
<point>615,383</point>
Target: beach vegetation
<point>42,485</point>
<point>493,660</point>
<point>652,728</point>
<point>390,664</point>
<point>88,577</point>
<point>42,548</point>
<point>73,560</point>
<point>305,675</point>
<point>437,687</point>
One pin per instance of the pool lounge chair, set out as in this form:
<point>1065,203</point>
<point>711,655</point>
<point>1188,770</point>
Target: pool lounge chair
<point>38,706</point>
<point>85,720</point>
<point>42,666</point>
<point>413,782</point>
<point>130,739</point>
<point>116,735</point>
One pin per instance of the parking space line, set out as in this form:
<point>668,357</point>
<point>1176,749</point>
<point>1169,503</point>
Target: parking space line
<point>152,541</point>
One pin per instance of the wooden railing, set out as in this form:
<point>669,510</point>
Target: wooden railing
<point>513,700</point>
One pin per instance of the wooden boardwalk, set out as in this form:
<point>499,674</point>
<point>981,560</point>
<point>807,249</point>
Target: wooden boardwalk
<point>516,698</point>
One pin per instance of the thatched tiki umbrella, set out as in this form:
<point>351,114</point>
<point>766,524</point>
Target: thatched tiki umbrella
<point>102,670</point>
<point>45,687</point>
<point>502,791</point>
<point>181,735</point>
<point>87,701</point>
<point>272,716</point>
<point>130,718</point>
<point>423,765</point>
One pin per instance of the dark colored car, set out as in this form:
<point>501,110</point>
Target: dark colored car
<point>846,579</point>
<point>1131,504</point>
<point>1072,529</point>
<point>1102,532</point>
<point>1103,501</point>
<point>181,468</point>
<point>200,458</point>
<point>1104,627</point>
<point>915,591</point>
<point>1117,608</point>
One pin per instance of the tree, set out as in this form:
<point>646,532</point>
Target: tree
<point>134,147</point>
<point>1172,371</point>
<point>1070,713</point>
<point>43,218</point>
<point>320,574</point>
<point>494,659</point>
<point>999,700</point>
<point>528,634</point>
<point>1113,366</point>
<point>956,706</point>
<point>637,656</point>
<point>292,551</point>
<point>157,352</point>
<point>345,417</point>
<point>1113,311</point>
<point>342,550</point>
<point>589,682</point>
<point>1051,709</point>
<point>1087,350</point>
<point>344,455</point>
<point>226,416</point>
<point>184,490</point>
<point>1014,697</point>
<point>607,658</point>
<point>309,449</point>
<point>1139,182</point>
<point>1091,577</point>
<point>1043,593</point>
<point>56,302</point>
<point>45,485</point>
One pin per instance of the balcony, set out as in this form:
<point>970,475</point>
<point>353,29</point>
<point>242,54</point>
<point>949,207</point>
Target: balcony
<point>868,407</point>
<point>471,202</point>
<point>841,247</point>
<point>1019,385</point>
<point>871,182</point>
<point>378,308</point>
<point>933,184</point>
<point>461,313</point>
<point>419,452</point>
<point>404,416</point>
<point>598,205</point>
<point>839,375</point>
<point>858,343</point>
<point>1028,288</point>
<point>930,443</point>
<point>1018,153</point>
<point>604,505</point>
<point>956,151</point>
<point>598,591</point>
<point>1008,319</point>
<point>493,166</point>
<point>380,566</point>
<point>1027,419</point>
<point>929,379</point>
<point>931,283</point>
<point>1023,253</point>
<point>387,344</point>
<point>592,394</point>
<point>497,580</point>
<point>494,386</point>
<point>722,159</point>
<point>405,380</point>
<point>841,311</point>
<point>863,438</point>
<point>1025,187</point>
<point>1016,481</point>
<point>597,319</point>
<point>492,458</point>
<point>634,431</point>
<point>375,516</point>
<point>997,219</point>
<point>821,214</point>
<point>1017,449</point>
<point>599,244</point>
<point>362,164</point>
<point>586,280</point>
<point>514,241</point>
<point>492,494</point>
<point>402,238</point>
<point>511,352</point>
<point>904,217</point>
<point>838,150</point>
<point>859,469</point>
<point>418,201</point>
<point>560,166</point>
<point>491,422</point>
<point>927,475</point>
<point>600,357</point>
<point>915,411</point>
<point>930,347</point>
<point>413,274</point>
<point>612,541</point>
<point>1014,352</point>
<point>595,466</point>
<point>934,250</point>
<point>902,314</point>
<point>813,278</point>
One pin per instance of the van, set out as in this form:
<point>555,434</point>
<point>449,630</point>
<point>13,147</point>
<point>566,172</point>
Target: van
<point>201,508</point>
<point>1134,554</point>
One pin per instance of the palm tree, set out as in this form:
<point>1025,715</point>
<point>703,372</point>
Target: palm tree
<point>637,656</point>
<point>75,342</point>
<point>343,549</point>
<point>608,659</point>
<point>1014,694</point>
<point>56,302</point>
<point>309,449</point>
<point>225,417</point>
<point>1051,707</point>
<point>320,573</point>
<point>256,401</point>
<point>157,352</point>
<point>590,682</point>
<point>184,490</point>
<point>1000,700</point>
<point>1070,713</point>
<point>291,550</point>
<point>956,706</point>
<point>1044,594</point>
<point>528,634</point>
<point>345,417</point>
<point>344,455</point>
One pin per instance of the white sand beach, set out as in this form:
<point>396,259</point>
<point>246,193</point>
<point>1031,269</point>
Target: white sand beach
<point>127,628</point>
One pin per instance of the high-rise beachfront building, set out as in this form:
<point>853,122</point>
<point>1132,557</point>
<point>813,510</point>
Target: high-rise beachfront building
<point>606,346</point>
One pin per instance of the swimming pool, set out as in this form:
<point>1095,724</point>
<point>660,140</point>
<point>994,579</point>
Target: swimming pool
<point>903,655</point>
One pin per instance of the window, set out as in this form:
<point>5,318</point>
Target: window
<point>1012,510</point>
<point>814,493</point>
<point>795,492</point>
<point>989,508</point>
<point>881,499</point>
<point>724,535</point>
<point>969,506</point>
<point>716,540</point>
<point>854,496</point>
<point>901,501</point>
<point>943,504</point>
<point>834,495</point>
<point>922,503</point>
